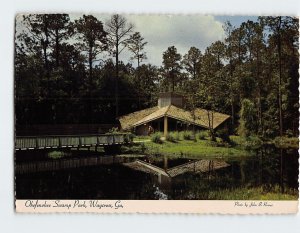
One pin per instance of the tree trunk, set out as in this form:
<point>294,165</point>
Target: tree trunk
<point>117,79</point>
<point>139,83</point>
<point>280,77</point>
<point>56,47</point>
<point>90,84</point>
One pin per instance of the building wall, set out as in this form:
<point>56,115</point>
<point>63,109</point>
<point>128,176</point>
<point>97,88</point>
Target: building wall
<point>142,130</point>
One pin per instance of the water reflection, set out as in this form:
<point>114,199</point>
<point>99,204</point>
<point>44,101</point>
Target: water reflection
<point>269,168</point>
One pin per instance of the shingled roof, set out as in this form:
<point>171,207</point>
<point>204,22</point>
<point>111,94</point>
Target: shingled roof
<point>150,114</point>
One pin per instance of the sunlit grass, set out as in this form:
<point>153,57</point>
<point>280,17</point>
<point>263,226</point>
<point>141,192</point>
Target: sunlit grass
<point>257,193</point>
<point>194,149</point>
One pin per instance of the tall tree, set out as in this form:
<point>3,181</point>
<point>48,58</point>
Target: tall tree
<point>60,30</point>
<point>119,31</point>
<point>136,45</point>
<point>277,26</point>
<point>228,28</point>
<point>192,62</point>
<point>37,37</point>
<point>93,41</point>
<point>171,66</point>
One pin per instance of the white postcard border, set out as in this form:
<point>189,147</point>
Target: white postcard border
<point>243,207</point>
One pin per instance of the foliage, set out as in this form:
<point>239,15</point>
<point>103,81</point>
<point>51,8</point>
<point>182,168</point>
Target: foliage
<point>187,135</point>
<point>129,138</point>
<point>156,138</point>
<point>114,130</point>
<point>224,135</point>
<point>56,154</point>
<point>171,67</point>
<point>176,135</point>
<point>286,142</point>
<point>202,135</point>
<point>248,118</point>
<point>192,62</point>
<point>248,143</point>
<point>249,193</point>
<point>118,32</point>
<point>171,137</point>
<point>143,148</point>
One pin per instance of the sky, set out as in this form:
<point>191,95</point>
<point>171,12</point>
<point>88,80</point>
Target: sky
<point>162,31</point>
<point>182,31</point>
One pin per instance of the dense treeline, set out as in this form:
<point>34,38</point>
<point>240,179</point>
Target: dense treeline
<point>70,72</point>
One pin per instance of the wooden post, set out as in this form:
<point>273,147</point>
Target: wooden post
<point>165,162</point>
<point>165,126</point>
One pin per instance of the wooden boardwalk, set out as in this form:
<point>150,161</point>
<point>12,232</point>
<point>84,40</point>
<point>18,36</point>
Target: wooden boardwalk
<point>63,141</point>
<point>61,164</point>
<point>140,165</point>
<point>198,166</point>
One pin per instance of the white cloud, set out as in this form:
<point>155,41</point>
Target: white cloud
<point>182,31</point>
<point>162,31</point>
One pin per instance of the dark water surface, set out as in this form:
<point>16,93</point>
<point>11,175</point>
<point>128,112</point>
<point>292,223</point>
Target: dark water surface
<point>269,168</point>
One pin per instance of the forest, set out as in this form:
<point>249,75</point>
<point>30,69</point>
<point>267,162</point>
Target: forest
<point>71,72</point>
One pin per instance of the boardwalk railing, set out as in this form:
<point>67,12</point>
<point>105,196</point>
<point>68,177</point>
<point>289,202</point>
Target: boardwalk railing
<point>62,164</point>
<point>61,141</point>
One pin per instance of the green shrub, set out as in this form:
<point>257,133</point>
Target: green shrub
<point>171,137</point>
<point>114,130</point>
<point>156,138</point>
<point>187,135</point>
<point>143,148</point>
<point>223,134</point>
<point>176,135</point>
<point>201,135</point>
<point>289,133</point>
<point>56,154</point>
<point>129,138</point>
<point>252,142</point>
<point>286,142</point>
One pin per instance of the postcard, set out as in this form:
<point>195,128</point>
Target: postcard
<point>156,113</point>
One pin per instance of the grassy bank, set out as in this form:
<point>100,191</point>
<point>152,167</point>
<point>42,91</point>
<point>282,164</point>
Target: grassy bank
<point>192,148</point>
<point>253,194</point>
<point>286,142</point>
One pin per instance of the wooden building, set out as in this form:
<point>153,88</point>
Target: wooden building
<point>170,115</point>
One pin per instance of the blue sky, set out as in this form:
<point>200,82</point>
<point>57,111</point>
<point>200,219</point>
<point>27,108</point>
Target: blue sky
<point>236,20</point>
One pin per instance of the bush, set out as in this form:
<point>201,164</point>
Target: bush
<point>223,134</point>
<point>289,133</point>
<point>129,138</point>
<point>114,130</point>
<point>171,137</point>
<point>201,135</point>
<point>156,138</point>
<point>176,135</point>
<point>187,135</point>
<point>251,142</point>
<point>56,154</point>
<point>143,148</point>
<point>286,142</point>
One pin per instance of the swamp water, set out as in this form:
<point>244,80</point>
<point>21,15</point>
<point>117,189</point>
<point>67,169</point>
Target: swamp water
<point>269,168</point>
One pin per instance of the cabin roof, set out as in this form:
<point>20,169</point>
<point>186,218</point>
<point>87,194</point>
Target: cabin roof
<point>150,114</point>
